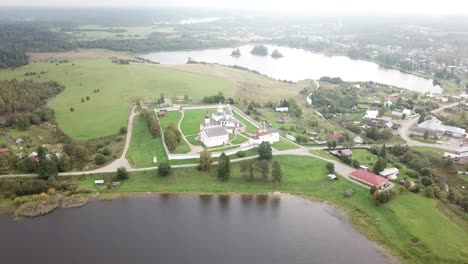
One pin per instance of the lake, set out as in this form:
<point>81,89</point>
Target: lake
<point>189,229</point>
<point>300,64</point>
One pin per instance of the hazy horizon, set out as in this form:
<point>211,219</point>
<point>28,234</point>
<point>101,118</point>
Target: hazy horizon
<point>431,7</point>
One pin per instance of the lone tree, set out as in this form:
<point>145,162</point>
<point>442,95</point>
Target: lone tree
<point>330,167</point>
<point>205,161</point>
<point>164,169</point>
<point>383,151</point>
<point>99,159</point>
<point>426,134</point>
<point>276,172</point>
<point>379,165</point>
<point>46,169</point>
<point>264,151</point>
<point>122,174</point>
<point>263,168</point>
<point>224,167</point>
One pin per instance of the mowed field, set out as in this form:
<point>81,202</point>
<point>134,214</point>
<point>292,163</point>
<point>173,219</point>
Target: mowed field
<point>411,224</point>
<point>119,86</point>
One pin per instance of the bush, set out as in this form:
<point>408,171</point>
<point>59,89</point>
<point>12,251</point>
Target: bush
<point>99,159</point>
<point>240,154</point>
<point>123,130</point>
<point>330,167</point>
<point>122,174</point>
<point>106,152</point>
<point>164,169</point>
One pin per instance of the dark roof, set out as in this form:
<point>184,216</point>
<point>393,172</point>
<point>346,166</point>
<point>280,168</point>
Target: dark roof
<point>368,178</point>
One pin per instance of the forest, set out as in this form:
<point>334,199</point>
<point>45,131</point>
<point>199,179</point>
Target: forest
<point>24,102</point>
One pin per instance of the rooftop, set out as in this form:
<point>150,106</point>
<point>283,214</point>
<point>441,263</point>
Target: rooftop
<point>368,178</point>
<point>215,131</point>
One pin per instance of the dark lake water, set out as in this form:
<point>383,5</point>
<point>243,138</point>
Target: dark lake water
<point>300,64</point>
<point>188,229</point>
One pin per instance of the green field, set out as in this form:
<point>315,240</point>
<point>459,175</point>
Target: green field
<point>411,224</point>
<point>284,144</point>
<point>143,147</point>
<point>119,86</point>
<point>174,117</point>
<point>365,157</point>
<point>192,119</point>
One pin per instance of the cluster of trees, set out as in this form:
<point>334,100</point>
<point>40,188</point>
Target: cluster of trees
<point>172,137</point>
<point>378,134</point>
<point>294,109</point>
<point>24,102</point>
<point>11,188</point>
<point>219,98</point>
<point>276,54</point>
<point>12,57</point>
<point>261,50</point>
<point>382,197</point>
<point>333,80</point>
<point>235,53</point>
<point>337,100</point>
<point>251,169</point>
<point>152,122</point>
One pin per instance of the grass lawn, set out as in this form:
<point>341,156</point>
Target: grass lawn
<point>238,140</point>
<point>143,147</point>
<point>193,140</point>
<point>119,86</point>
<point>410,224</point>
<point>192,119</point>
<point>284,144</point>
<point>365,157</point>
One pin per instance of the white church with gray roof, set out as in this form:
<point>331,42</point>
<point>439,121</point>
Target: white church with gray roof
<point>215,129</point>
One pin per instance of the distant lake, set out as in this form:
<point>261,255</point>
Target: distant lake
<point>189,229</point>
<point>199,20</point>
<point>300,64</point>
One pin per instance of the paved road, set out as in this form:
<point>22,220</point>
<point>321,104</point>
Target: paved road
<point>407,126</point>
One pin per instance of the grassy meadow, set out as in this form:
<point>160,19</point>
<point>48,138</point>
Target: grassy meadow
<point>119,86</point>
<point>410,224</point>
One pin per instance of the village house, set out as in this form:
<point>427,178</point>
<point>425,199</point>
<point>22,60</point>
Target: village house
<point>342,153</point>
<point>335,137</point>
<point>282,109</point>
<point>284,119</point>
<point>460,157</point>
<point>369,178</point>
<point>162,112</point>
<point>291,138</point>
<point>264,134</point>
<point>358,140</point>
<point>20,141</point>
<point>435,128</point>
<point>371,114</point>
<point>390,173</point>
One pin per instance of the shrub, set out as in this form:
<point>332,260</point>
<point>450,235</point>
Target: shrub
<point>164,169</point>
<point>99,159</point>
<point>123,130</point>
<point>240,154</point>
<point>106,151</point>
<point>122,174</point>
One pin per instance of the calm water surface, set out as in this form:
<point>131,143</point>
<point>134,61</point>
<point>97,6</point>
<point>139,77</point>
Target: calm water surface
<point>299,64</point>
<point>188,229</point>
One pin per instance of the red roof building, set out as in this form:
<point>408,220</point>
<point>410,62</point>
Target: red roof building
<point>368,178</point>
<point>4,150</point>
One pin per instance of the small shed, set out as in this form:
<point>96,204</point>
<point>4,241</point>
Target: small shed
<point>99,182</point>
<point>348,193</point>
<point>331,177</point>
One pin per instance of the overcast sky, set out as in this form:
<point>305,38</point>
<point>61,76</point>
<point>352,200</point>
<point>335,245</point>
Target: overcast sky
<point>405,6</point>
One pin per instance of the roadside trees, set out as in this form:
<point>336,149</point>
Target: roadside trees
<point>276,172</point>
<point>264,151</point>
<point>330,167</point>
<point>205,161</point>
<point>224,167</point>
